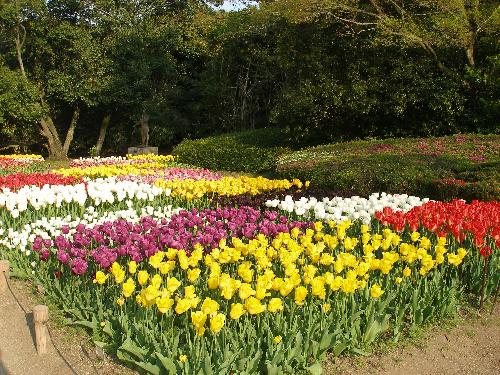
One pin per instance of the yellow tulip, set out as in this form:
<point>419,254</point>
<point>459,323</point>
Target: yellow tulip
<point>217,322</point>
<point>300,295</point>
<point>128,287</point>
<point>164,304</point>
<point>254,306</point>
<point>142,277</point>
<point>182,306</point>
<point>376,291</point>
<point>406,272</point>
<point>132,267</point>
<point>274,305</point>
<point>100,277</point>
<point>193,274</point>
<point>237,310</point>
<point>173,284</point>
<point>209,306</point>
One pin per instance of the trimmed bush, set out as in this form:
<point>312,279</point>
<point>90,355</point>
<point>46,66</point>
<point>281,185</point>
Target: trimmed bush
<point>254,151</point>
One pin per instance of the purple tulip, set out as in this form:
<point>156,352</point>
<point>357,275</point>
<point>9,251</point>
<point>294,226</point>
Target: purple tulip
<point>44,254</point>
<point>63,256</point>
<point>79,266</point>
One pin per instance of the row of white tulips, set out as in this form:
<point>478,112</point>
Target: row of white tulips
<point>95,192</point>
<point>353,208</point>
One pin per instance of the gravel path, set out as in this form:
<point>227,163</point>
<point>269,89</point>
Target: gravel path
<point>17,348</point>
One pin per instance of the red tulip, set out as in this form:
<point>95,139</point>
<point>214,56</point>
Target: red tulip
<point>478,220</point>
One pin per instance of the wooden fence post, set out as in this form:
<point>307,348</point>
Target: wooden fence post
<point>40,317</point>
<point>4,274</point>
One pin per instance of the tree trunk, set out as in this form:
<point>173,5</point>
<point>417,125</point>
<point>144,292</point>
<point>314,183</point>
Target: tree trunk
<point>470,50</point>
<point>471,11</point>
<point>47,129</point>
<point>57,150</point>
<point>54,145</point>
<point>71,130</point>
<point>102,133</point>
<point>470,55</point>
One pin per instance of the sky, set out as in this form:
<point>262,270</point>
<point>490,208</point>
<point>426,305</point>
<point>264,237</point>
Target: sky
<point>235,5</point>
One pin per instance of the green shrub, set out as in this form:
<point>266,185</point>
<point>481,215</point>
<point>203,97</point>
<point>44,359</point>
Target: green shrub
<point>254,151</point>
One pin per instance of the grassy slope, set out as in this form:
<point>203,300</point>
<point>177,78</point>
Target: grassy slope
<point>464,166</point>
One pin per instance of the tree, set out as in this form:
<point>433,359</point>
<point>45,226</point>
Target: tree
<point>427,24</point>
<point>55,52</point>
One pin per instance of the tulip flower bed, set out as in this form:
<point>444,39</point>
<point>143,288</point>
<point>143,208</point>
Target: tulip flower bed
<point>12,163</point>
<point>103,171</point>
<point>119,166</point>
<point>173,174</point>
<point>190,189</point>
<point>477,224</point>
<point>481,220</point>
<point>340,209</point>
<point>173,271</point>
<point>21,159</point>
<point>165,160</point>
<point>15,181</point>
<point>184,296</point>
<point>32,202</point>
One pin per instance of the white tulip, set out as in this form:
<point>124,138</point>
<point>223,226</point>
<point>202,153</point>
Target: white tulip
<point>353,208</point>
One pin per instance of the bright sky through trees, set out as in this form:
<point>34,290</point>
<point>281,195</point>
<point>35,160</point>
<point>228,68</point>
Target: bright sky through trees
<point>233,5</point>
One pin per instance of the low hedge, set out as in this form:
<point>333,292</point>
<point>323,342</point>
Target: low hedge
<point>254,151</point>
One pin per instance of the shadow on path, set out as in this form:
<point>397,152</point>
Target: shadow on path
<point>3,370</point>
<point>31,325</point>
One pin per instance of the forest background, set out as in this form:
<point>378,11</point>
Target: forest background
<point>72,72</point>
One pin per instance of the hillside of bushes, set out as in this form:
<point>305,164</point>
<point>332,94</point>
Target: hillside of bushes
<point>459,166</point>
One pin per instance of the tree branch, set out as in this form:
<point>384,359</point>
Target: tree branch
<point>357,10</point>
<point>353,21</point>
<point>480,28</point>
<point>19,46</point>
<point>398,8</point>
<point>378,8</point>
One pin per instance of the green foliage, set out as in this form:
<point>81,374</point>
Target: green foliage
<point>253,151</point>
<point>441,168</point>
<point>295,65</point>
<point>369,96</point>
<point>19,111</point>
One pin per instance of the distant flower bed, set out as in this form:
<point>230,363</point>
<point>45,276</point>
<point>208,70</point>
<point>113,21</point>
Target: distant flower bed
<point>10,162</point>
<point>471,147</point>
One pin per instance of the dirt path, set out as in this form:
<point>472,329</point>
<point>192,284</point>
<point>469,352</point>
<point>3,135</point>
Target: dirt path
<point>471,347</point>
<point>17,351</point>
<point>69,353</point>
